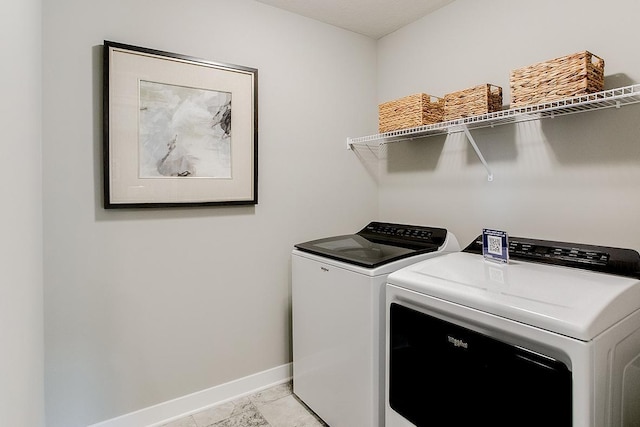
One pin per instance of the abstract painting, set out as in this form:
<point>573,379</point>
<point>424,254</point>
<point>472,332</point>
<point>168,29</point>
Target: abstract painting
<point>184,132</point>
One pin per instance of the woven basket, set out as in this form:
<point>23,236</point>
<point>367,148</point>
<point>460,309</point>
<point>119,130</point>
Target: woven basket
<point>481,99</point>
<point>409,112</point>
<point>565,77</point>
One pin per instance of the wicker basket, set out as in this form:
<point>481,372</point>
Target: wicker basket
<point>408,112</point>
<point>481,99</point>
<point>572,75</point>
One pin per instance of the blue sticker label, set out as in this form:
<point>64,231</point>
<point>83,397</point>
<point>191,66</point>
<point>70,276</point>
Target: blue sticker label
<point>495,245</point>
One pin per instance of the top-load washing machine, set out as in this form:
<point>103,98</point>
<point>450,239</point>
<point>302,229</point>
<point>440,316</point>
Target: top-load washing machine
<point>338,295</point>
<point>550,339</point>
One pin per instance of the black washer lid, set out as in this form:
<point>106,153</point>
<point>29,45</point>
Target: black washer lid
<point>378,244</point>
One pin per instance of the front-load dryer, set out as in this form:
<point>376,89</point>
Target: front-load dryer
<point>550,339</point>
<point>338,295</point>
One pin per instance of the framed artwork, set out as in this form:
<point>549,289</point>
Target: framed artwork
<point>178,130</point>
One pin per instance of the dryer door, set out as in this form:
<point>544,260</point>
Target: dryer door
<point>439,370</point>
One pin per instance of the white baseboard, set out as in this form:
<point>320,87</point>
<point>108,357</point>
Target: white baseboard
<point>186,405</point>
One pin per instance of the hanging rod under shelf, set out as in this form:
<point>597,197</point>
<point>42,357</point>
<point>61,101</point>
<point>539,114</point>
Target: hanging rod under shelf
<point>578,104</point>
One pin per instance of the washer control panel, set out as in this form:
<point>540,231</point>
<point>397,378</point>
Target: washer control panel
<point>405,233</point>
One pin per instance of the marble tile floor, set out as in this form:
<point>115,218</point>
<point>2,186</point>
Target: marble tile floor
<point>273,407</point>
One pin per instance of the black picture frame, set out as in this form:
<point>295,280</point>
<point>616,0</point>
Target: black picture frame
<point>178,131</point>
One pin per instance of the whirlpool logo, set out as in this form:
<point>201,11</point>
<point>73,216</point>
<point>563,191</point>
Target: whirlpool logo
<point>457,342</point>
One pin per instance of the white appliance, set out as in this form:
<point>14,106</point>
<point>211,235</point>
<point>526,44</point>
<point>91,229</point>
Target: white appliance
<point>338,286</point>
<point>550,339</point>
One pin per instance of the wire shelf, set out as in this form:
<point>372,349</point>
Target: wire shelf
<point>596,101</point>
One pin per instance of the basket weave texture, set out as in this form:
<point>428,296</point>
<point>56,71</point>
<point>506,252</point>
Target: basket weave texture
<point>581,73</point>
<point>411,111</point>
<point>481,99</point>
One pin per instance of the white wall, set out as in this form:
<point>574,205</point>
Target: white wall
<point>21,327</point>
<point>145,306</point>
<point>573,178</point>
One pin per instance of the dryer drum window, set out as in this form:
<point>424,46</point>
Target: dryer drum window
<point>439,370</point>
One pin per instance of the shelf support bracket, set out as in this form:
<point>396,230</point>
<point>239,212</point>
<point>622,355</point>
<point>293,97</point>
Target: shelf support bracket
<point>472,141</point>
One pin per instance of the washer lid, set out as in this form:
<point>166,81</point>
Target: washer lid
<point>378,244</point>
<point>569,301</point>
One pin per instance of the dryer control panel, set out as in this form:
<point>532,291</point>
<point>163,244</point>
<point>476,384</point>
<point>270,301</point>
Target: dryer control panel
<point>569,254</point>
<point>619,261</point>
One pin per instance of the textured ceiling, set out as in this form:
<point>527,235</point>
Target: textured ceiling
<point>373,18</point>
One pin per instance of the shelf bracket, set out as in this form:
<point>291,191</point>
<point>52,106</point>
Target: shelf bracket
<point>472,141</point>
